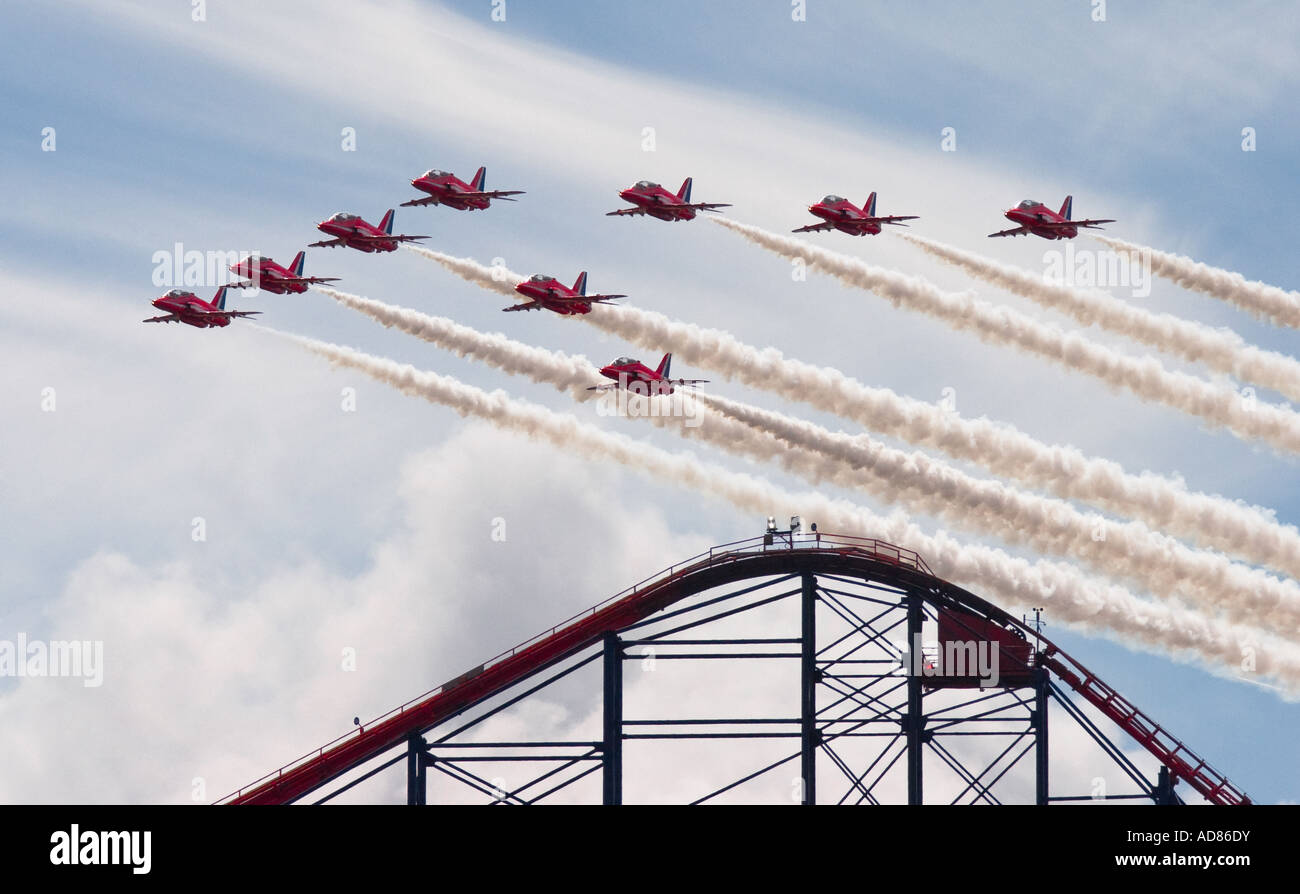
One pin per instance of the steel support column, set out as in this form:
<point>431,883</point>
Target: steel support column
<point>415,764</point>
<point>1040,734</point>
<point>915,720</point>
<point>1164,793</point>
<point>612,750</point>
<point>808,678</point>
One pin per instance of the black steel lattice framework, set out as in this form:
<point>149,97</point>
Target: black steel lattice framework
<point>859,727</point>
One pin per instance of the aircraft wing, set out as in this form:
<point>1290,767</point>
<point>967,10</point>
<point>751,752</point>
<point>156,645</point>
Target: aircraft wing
<point>606,387</point>
<point>228,314</point>
<point>527,305</point>
<point>706,206</point>
<point>687,381</point>
<point>1017,231</point>
<point>327,243</point>
<point>287,280</point>
<point>596,299</point>
<point>620,212</point>
<point>167,318</point>
<point>894,219</point>
<point>1059,224</point>
<point>812,228</point>
<point>427,200</point>
<point>492,194</point>
<point>386,238</point>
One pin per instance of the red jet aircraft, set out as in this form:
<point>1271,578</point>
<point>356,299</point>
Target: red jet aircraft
<point>1035,217</point>
<point>544,291</point>
<point>447,189</point>
<point>353,232</point>
<point>638,378</point>
<point>653,199</point>
<point>838,213</point>
<point>186,307</point>
<point>265,273</point>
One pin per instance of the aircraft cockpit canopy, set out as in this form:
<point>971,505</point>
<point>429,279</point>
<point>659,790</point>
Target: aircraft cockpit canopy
<point>646,184</point>
<point>177,293</point>
<point>343,215</point>
<point>434,174</point>
<point>1030,203</point>
<point>541,277</point>
<point>624,361</point>
<point>831,200</point>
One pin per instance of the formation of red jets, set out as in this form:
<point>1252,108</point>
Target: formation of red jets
<point>545,292</point>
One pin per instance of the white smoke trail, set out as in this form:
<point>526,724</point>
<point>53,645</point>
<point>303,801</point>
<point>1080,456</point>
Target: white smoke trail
<point>1207,520</point>
<point>1218,349</point>
<point>568,373</point>
<point>497,277</point>
<point>1158,563</point>
<point>1259,299</point>
<point>1012,581</point>
<point>1131,550</point>
<point>1144,376</point>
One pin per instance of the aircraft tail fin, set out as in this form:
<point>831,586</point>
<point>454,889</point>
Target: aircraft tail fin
<point>1067,207</point>
<point>870,207</point>
<point>296,267</point>
<point>685,192</point>
<point>480,178</point>
<point>219,300</point>
<point>665,365</point>
<point>387,223</point>
<point>580,284</point>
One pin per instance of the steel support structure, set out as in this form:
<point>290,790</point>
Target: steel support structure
<point>417,761</point>
<point>1041,692</point>
<point>809,676</point>
<point>844,620</point>
<point>612,744</point>
<point>914,720</point>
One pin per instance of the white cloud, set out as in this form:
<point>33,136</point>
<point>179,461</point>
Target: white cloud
<point>206,677</point>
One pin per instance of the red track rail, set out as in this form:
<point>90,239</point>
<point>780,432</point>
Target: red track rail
<point>1180,759</point>
<point>292,781</point>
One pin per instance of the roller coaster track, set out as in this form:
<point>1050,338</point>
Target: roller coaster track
<point>782,553</point>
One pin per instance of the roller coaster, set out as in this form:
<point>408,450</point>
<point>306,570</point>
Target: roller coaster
<point>875,720</point>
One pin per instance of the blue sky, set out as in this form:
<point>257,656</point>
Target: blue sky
<point>225,135</point>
